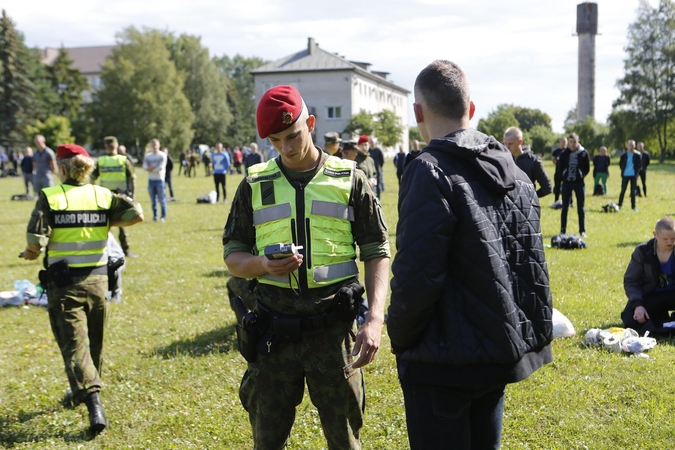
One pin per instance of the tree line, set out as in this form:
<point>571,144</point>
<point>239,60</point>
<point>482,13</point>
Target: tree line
<point>158,84</point>
<point>155,84</point>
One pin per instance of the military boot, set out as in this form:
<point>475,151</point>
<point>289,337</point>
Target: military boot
<point>97,422</point>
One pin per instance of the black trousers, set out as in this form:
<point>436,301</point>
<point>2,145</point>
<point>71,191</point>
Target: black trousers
<point>658,306</point>
<point>579,190</point>
<point>624,184</point>
<point>219,179</point>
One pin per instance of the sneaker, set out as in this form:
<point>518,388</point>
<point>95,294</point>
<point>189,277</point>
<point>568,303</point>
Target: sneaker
<point>162,220</point>
<point>635,209</point>
<point>224,201</point>
<point>583,234</point>
<point>154,219</point>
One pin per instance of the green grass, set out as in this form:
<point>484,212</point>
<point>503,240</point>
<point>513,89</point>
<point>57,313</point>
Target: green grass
<point>172,373</point>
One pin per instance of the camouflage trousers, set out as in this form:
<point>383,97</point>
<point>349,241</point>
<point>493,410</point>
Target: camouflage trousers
<point>274,385</point>
<point>77,314</point>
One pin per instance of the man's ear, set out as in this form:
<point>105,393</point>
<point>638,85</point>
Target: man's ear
<point>311,123</point>
<point>472,110</point>
<point>419,116</point>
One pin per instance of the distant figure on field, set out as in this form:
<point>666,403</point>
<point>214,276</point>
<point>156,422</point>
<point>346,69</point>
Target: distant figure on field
<point>644,163</point>
<point>601,164</point>
<point>527,161</point>
<point>557,177</point>
<point>630,168</point>
<point>44,164</point>
<point>574,165</point>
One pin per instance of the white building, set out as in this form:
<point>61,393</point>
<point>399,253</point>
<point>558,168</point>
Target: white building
<point>88,60</point>
<point>334,89</point>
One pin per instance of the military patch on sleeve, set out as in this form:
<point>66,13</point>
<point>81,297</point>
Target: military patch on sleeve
<point>336,173</point>
<point>267,192</point>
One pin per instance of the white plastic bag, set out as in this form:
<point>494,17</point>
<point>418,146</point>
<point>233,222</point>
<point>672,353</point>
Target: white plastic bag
<point>562,327</point>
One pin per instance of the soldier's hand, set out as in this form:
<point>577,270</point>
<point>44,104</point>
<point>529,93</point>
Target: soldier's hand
<point>640,314</point>
<point>30,255</point>
<point>367,342</point>
<point>281,267</point>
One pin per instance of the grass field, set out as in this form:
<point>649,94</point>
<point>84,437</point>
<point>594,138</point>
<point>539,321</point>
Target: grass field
<point>172,372</point>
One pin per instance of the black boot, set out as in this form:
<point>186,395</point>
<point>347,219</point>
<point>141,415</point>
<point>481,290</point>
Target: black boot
<point>97,422</point>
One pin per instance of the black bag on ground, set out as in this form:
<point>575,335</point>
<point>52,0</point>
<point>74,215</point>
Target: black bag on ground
<point>567,241</point>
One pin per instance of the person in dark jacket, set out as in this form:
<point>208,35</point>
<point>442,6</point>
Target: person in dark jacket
<point>527,161</point>
<point>630,164</point>
<point>470,303</point>
<point>574,164</point>
<point>413,153</point>
<point>399,162</point>
<point>644,163</point>
<point>557,176</point>
<point>601,164</point>
<point>649,281</point>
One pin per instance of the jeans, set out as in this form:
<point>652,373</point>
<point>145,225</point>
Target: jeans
<point>580,191</point>
<point>633,185</point>
<point>457,418</point>
<point>156,191</point>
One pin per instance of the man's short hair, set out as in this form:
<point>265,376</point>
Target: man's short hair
<point>665,224</point>
<point>348,145</point>
<point>332,138</point>
<point>573,136</point>
<point>109,141</point>
<point>513,132</point>
<point>445,89</point>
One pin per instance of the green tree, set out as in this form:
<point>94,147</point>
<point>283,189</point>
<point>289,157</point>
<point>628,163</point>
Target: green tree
<point>55,129</point>
<point>360,123</point>
<point>592,134</point>
<point>414,134</point>
<point>388,128</point>
<point>541,139</point>
<point>529,118</point>
<point>205,88</point>
<point>497,122</point>
<point>142,95</point>
<point>240,96</point>
<point>17,90</point>
<point>68,84</point>
<point>648,86</point>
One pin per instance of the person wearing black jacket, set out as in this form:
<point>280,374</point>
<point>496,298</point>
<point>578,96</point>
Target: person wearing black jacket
<point>527,161</point>
<point>649,281</point>
<point>630,164</point>
<point>470,303</point>
<point>574,164</point>
<point>644,163</point>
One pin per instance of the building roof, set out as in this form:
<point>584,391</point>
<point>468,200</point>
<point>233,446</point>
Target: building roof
<point>87,60</point>
<point>315,59</point>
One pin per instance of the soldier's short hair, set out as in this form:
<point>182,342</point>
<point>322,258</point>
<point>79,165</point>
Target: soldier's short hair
<point>445,88</point>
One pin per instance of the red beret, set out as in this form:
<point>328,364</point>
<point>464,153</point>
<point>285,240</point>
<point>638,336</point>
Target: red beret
<point>278,109</point>
<point>362,139</point>
<point>70,150</point>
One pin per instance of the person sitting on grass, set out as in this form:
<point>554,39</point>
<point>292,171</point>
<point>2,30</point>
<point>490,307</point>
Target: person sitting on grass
<point>649,281</point>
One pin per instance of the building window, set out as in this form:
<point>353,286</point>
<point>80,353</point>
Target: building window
<point>334,112</point>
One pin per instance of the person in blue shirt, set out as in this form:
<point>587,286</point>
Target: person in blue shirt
<point>649,281</point>
<point>630,168</point>
<point>221,164</point>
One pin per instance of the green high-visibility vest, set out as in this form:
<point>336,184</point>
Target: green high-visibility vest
<point>80,218</point>
<point>317,217</point>
<point>112,170</point>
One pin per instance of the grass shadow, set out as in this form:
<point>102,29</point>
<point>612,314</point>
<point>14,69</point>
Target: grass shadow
<point>219,340</point>
<point>628,244</point>
<point>14,430</point>
<point>217,273</point>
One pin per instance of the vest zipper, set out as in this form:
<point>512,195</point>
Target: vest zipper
<point>302,238</point>
<point>308,253</point>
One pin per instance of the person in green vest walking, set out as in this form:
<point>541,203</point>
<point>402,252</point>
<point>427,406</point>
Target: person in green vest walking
<point>72,221</point>
<point>116,172</point>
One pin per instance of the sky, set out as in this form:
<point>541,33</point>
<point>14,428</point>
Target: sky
<point>522,52</point>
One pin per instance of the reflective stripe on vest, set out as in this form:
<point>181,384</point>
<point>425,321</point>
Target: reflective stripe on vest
<point>112,170</point>
<point>79,217</point>
<point>325,222</point>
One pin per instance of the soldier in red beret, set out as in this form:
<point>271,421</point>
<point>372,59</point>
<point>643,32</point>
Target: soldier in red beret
<point>72,221</point>
<point>307,298</point>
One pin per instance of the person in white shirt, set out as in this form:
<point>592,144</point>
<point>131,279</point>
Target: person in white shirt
<point>155,164</point>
